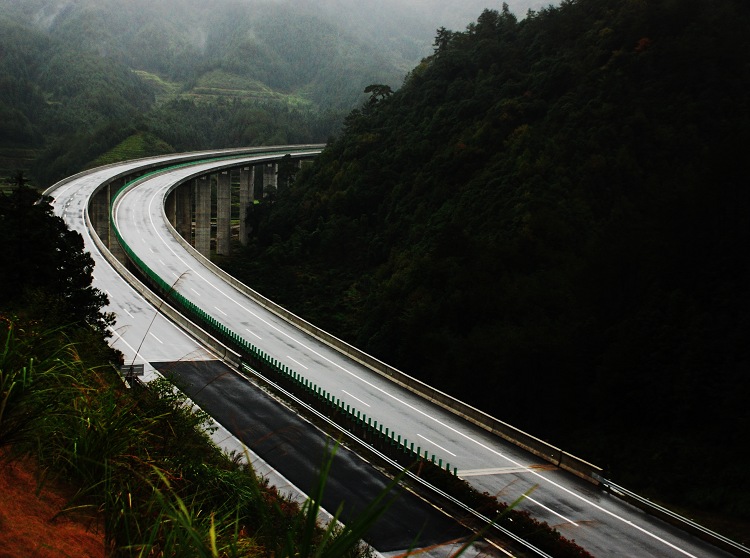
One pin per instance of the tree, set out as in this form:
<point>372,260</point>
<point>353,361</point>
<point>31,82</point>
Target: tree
<point>442,39</point>
<point>378,92</point>
<point>43,267</point>
<point>287,171</point>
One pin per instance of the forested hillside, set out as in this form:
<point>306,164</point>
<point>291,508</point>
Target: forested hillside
<point>77,78</point>
<point>549,220</point>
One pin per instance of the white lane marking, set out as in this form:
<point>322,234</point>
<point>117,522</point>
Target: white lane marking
<point>437,446</point>
<point>530,499</point>
<point>465,436</point>
<point>297,362</point>
<point>220,310</point>
<point>128,313</point>
<point>121,338</point>
<point>253,333</point>
<point>357,398</point>
<point>155,337</point>
<point>196,292</point>
<point>492,471</point>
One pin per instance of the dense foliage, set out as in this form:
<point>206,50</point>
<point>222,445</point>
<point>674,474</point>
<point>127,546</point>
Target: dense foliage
<point>139,462</point>
<point>44,272</point>
<point>548,220</point>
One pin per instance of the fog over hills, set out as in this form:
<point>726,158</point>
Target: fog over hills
<point>174,68</point>
<point>171,37</point>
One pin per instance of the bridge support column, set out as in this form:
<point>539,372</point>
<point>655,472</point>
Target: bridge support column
<point>223,213</point>
<point>184,225</point>
<point>203,216</point>
<point>247,182</point>
<point>99,214</point>
<point>170,207</point>
<point>270,179</point>
<point>112,243</point>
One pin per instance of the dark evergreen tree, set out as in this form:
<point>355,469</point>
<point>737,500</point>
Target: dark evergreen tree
<point>44,270</point>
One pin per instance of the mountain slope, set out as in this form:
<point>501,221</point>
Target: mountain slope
<point>247,71</point>
<point>547,221</point>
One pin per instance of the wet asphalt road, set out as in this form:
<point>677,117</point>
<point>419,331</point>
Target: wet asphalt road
<point>297,448</point>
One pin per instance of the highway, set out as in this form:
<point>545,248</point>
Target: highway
<point>603,524</point>
<point>274,434</point>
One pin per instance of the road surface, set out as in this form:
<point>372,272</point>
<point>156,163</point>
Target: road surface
<point>601,523</point>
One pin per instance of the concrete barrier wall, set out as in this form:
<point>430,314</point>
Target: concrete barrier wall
<point>218,348</point>
<point>522,439</point>
<point>540,448</point>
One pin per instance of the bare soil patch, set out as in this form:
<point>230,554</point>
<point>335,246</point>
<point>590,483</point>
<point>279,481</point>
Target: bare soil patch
<point>28,526</point>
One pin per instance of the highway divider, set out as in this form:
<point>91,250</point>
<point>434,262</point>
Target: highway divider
<point>217,336</point>
<point>536,446</point>
<point>237,350</point>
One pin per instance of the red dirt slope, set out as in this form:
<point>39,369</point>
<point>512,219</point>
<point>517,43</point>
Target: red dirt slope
<point>26,525</point>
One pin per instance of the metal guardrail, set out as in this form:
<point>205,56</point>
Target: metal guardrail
<point>552,454</point>
<point>540,448</point>
<point>675,519</point>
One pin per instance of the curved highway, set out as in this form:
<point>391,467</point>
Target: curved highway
<point>270,429</point>
<point>603,524</point>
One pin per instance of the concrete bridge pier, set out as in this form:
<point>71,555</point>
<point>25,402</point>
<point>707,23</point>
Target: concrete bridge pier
<point>247,187</point>
<point>270,179</point>
<point>184,218</point>
<point>203,215</point>
<point>223,213</point>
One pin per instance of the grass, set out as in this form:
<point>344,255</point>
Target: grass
<point>141,144</point>
<point>143,460</point>
<point>165,90</point>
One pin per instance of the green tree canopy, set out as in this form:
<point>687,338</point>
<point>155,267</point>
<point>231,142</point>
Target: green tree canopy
<point>44,270</point>
<point>556,209</point>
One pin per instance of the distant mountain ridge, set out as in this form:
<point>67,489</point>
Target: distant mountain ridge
<point>67,70</point>
<point>286,45</point>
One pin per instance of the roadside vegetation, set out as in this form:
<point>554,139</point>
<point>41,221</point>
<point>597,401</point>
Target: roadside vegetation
<point>143,467</point>
<point>138,463</point>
